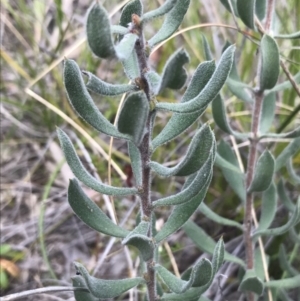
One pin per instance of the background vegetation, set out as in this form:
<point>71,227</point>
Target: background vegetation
<point>40,237</point>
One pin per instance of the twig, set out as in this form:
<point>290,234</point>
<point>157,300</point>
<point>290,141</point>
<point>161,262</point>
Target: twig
<point>290,77</point>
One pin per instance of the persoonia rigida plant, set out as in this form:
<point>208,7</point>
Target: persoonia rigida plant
<point>135,124</point>
<point>258,181</point>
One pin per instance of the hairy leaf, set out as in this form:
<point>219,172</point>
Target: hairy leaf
<point>174,75</point>
<point>260,9</point>
<point>200,275</point>
<point>295,35</point>
<point>125,48</point>
<point>118,29</point>
<point>131,66</point>
<point>292,173</point>
<point>246,11</point>
<point>284,198</point>
<point>288,152</point>
<point>104,289</point>
<point>133,116</point>
<point>251,283</point>
<point>195,157</point>
<point>227,6</point>
<point>217,218</point>
<point>132,7</point>
<point>206,49</point>
<point>136,162</point>
<point>209,92</point>
<point>287,283</point>
<point>187,193</point>
<point>181,122</point>
<point>99,86</point>
<point>82,102</point>
<point>263,173</point>
<point>172,21</point>
<point>139,239</point>
<point>82,174</point>
<point>285,85</point>
<point>205,243</point>
<point>269,63</point>
<point>98,32</point>
<point>268,112</point>
<point>160,11</point>
<point>154,80</point>
<point>78,281</point>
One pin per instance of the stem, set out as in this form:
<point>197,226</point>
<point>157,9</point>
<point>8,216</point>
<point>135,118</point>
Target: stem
<point>270,9</point>
<point>145,152</point>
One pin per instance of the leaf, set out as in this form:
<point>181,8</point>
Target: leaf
<point>82,102</point>
<point>209,92</point>
<point>104,289</point>
<point>229,165</point>
<point>174,75</point>
<point>263,172</point>
<point>251,283</point>
<point>227,6</point>
<point>81,173</point>
<point>219,114</point>
<point>286,201</point>
<point>217,218</point>
<point>260,9</point>
<point>246,12</point>
<point>181,214</point>
<point>292,173</point>
<point>295,35</point>
<point>288,152</point>
<point>190,191</point>
<point>78,281</point>
<point>285,85</point>
<point>258,264</point>
<point>181,122</point>
<point>205,243</point>
<point>293,134</point>
<point>294,236</point>
<point>268,208</point>
<point>172,21</point>
<point>125,48</point>
<point>206,49</point>
<point>268,112</point>
<point>136,163</point>
<point>293,220</point>
<point>195,157</point>
<point>269,71</point>
<point>98,32</point>
<point>90,213</point>
<point>133,116</point>
<point>118,29</point>
<point>160,11</point>
<point>99,86</point>
<point>132,7</point>
<point>200,275</point>
<point>284,262</point>
<point>139,239</point>
<point>154,81</point>
<point>131,66</point>
<point>288,283</point>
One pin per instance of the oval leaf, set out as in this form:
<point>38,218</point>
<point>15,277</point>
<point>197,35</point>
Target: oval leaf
<point>99,86</point>
<point>263,173</point>
<point>90,213</point>
<point>133,116</point>
<point>131,66</point>
<point>251,283</point>
<point>79,282</point>
<point>81,173</point>
<point>210,91</point>
<point>179,122</point>
<point>82,102</point>
<point>160,11</point>
<point>132,7</point>
<point>195,157</point>
<point>246,11</point>
<point>269,63</point>
<point>172,21</point>
<point>104,289</point>
<point>99,33</point>
<point>125,48</point>
<point>136,163</point>
<point>268,112</point>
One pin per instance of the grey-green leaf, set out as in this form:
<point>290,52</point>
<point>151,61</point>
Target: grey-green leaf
<point>251,283</point>
<point>195,157</point>
<point>98,32</point>
<point>82,174</point>
<point>284,198</point>
<point>90,213</point>
<point>200,275</point>
<point>292,173</point>
<point>260,9</point>
<point>131,66</point>
<point>136,163</point>
<point>154,81</point>
<point>285,85</point>
<point>82,102</point>
<point>187,193</point>
<point>132,7</point>
<point>285,264</point>
<point>269,71</point>
<point>246,11</point>
<point>205,243</point>
<point>289,151</point>
<point>139,239</point>
<point>295,35</point>
<point>268,112</point>
<point>99,86</point>
<point>288,283</point>
<point>181,122</point>
<point>104,289</point>
<point>263,173</point>
<point>125,48</point>
<point>172,21</point>
<point>227,6</point>
<point>133,116</point>
<point>206,49</point>
<point>174,75</point>
<point>160,11</point>
<point>268,207</point>
<point>217,218</point>
<point>181,214</point>
<point>79,295</point>
<point>210,91</point>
